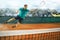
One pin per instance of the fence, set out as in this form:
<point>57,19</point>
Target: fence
<point>32,19</point>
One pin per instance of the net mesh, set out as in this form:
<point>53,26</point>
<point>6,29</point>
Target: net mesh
<point>40,36</point>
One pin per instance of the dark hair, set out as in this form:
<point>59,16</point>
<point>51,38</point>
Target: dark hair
<point>25,5</point>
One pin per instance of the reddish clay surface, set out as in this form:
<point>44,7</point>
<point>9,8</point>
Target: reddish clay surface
<point>28,26</point>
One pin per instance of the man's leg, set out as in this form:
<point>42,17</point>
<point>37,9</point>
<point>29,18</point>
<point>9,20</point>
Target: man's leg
<point>11,19</point>
<point>19,22</point>
<point>15,18</point>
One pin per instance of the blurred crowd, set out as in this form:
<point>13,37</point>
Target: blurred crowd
<point>32,13</point>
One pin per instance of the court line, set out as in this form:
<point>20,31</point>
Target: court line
<point>24,32</point>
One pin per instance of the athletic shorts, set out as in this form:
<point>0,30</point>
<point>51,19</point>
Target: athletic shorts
<point>19,18</point>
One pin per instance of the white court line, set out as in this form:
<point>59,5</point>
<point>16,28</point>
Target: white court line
<point>24,32</point>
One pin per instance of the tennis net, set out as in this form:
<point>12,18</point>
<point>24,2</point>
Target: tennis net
<point>39,36</point>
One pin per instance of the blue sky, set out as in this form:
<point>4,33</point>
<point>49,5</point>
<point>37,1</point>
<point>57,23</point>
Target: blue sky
<point>43,4</point>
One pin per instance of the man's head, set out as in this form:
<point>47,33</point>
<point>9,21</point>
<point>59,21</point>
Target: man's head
<point>25,6</point>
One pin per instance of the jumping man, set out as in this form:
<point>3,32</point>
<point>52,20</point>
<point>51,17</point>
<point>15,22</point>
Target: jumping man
<point>22,12</point>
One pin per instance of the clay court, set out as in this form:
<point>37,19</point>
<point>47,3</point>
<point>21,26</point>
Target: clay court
<point>47,31</point>
<point>36,30</point>
<point>28,26</point>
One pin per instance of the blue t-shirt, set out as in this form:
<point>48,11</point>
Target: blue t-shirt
<point>23,12</point>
